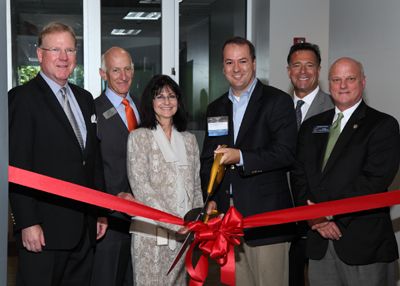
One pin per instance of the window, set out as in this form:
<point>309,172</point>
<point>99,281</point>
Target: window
<point>27,20</point>
<point>136,27</point>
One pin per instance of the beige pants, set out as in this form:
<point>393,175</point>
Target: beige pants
<point>265,265</point>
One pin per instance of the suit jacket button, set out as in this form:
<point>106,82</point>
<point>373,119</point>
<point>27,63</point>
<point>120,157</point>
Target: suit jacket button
<point>84,163</point>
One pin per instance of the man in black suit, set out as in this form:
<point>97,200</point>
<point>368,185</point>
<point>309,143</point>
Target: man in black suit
<point>53,132</point>
<point>348,151</point>
<point>304,65</point>
<point>113,266</point>
<point>258,124</point>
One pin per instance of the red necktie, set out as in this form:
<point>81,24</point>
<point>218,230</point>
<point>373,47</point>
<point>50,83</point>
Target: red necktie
<point>130,115</point>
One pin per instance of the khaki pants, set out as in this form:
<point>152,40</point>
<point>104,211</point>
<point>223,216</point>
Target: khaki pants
<point>265,265</point>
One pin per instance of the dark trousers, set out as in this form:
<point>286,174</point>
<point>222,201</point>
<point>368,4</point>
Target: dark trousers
<point>297,262</point>
<point>56,267</point>
<point>112,262</point>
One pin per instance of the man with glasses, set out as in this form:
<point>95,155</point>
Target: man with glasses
<point>53,132</point>
<point>117,115</point>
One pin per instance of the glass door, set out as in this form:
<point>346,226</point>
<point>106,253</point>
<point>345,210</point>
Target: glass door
<point>136,27</point>
<point>204,26</point>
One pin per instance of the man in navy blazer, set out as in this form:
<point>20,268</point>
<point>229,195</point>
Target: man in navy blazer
<point>355,248</point>
<point>112,266</point>
<point>304,65</point>
<point>55,236</point>
<point>258,124</point>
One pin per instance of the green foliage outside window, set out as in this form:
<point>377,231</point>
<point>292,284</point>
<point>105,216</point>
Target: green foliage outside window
<point>26,73</point>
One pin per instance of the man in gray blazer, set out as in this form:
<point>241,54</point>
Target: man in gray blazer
<point>114,108</point>
<point>304,65</point>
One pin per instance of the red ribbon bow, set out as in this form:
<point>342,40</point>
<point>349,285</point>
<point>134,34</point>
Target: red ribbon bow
<point>216,239</point>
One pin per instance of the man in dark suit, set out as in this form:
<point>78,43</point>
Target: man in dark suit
<point>113,265</point>
<point>53,132</point>
<point>348,151</point>
<point>258,124</point>
<point>304,65</point>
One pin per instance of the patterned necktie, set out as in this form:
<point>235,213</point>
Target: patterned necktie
<point>72,120</point>
<point>334,133</point>
<point>130,115</point>
<point>299,104</point>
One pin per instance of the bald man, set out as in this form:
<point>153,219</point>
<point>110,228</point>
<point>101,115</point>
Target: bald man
<point>356,248</point>
<point>113,265</point>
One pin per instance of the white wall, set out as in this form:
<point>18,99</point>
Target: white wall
<point>289,19</point>
<point>368,30</point>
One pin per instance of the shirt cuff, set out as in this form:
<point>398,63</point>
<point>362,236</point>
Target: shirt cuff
<point>241,159</point>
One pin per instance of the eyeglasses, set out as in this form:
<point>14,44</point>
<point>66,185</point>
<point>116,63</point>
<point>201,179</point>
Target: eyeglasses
<point>171,97</point>
<point>57,51</point>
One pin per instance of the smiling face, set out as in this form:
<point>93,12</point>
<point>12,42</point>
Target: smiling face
<point>346,83</point>
<point>165,105</point>
<point>239,67</point>
<point>303,71</point>
<point>58,66</point>
<point>118,70</point>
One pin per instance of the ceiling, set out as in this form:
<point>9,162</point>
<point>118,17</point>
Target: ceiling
<point>32,15</point>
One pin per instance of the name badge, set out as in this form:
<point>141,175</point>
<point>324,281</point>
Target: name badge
<point>217,126</point>
<point>110,113</point>
<point>321,129</point>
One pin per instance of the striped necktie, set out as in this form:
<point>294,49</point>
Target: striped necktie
<point>70,115</point>
<point>299,104</point>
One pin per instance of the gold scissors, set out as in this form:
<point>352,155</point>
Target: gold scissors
<point>216,175</point>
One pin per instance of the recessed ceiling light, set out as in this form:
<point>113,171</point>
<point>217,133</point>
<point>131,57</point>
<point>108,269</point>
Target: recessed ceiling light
<point>151,16</point>
<point>125,32</point>
<point>150,2</point>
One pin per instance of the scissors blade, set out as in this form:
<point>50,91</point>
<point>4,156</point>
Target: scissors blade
<point>189,238</point>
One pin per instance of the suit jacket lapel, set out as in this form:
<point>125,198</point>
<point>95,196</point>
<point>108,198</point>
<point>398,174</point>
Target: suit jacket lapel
<point>115,119</point>
<point>316,106</point>
<point>346,135</point>
<point>251,112</point>
<point>54,105</point>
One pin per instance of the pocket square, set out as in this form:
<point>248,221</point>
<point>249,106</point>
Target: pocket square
<point>93,118</point>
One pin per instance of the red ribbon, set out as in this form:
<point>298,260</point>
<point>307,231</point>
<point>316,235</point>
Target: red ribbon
<point>216,239</point>
<point>79,193</point>
<point>331,208</point>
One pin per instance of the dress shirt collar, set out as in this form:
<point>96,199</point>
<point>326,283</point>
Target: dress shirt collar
<point>308,99</point>
<point>346,114</point>
<point>55,87</point>
<point>246,94</point>
<point>115,99</point>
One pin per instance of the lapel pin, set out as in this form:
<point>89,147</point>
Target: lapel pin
<point>355,126</point>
